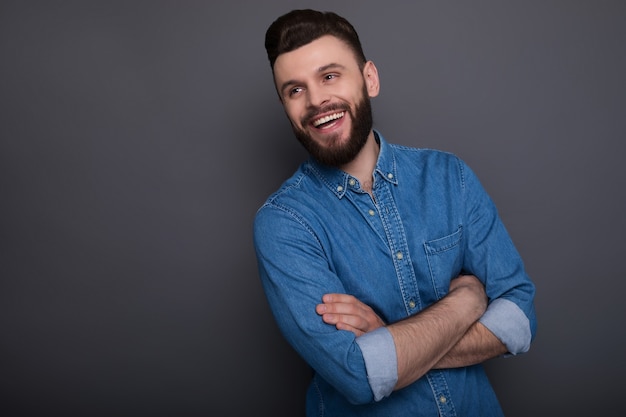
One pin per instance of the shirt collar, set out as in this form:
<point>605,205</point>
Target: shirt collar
<point>338,181</point>
<point>386,167</point>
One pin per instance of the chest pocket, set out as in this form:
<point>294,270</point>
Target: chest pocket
<point>444,260</point>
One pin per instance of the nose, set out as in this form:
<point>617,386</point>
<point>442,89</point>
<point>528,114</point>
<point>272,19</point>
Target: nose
<point>317,96</point>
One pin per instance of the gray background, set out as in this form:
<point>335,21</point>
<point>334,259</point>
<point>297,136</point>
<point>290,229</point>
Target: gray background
<point>138,138</point>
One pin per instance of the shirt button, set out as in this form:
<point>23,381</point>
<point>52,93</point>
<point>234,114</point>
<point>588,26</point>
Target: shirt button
<point>339,188</point>
<point>442,399</point>
<point>390,175</point>
<point>371,212</point>
<point>399,255</point>
<point>412,304</point>
<point>352,181</point>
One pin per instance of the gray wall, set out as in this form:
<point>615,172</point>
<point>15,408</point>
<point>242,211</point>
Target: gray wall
<point>138,139</point>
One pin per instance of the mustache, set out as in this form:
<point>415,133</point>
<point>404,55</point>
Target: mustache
<point>316,112</point>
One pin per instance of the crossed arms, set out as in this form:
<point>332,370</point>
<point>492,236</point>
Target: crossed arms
<point>449,332</point>
<point>300,246</point>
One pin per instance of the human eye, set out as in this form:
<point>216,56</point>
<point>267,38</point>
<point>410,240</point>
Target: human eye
<point>330,77</point>
<point>294,91</point>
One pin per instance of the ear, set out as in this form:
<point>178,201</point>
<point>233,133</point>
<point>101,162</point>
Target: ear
<point>370,75</point>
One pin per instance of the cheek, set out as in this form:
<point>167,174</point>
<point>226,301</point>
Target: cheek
<point>293,114</point>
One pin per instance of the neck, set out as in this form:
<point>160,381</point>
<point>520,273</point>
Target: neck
<point>362,166</point>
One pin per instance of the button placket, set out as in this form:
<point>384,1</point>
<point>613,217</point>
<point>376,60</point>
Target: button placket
<point>441,392</point>
<point>396,238</point>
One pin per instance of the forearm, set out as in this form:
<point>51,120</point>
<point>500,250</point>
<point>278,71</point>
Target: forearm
<point>476,346</point>
<point>423,340</point>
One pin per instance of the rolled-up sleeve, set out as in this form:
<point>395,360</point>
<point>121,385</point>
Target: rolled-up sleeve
<point>493,258</point>
<point>295,275</point>
<point>379,354</point>
<point>509,324</point>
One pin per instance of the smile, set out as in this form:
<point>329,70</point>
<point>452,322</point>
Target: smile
<point>327,119</point>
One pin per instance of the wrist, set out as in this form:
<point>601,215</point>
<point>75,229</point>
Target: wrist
<point>471,300</point>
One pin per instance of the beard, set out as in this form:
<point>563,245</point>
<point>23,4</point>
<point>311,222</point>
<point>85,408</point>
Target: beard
<point>335,153</point>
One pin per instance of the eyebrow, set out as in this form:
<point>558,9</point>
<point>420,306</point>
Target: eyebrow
<point>323,68</point>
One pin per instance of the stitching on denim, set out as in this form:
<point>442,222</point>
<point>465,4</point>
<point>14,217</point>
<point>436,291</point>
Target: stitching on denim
<point>297,217</point>
<point>432,248</point>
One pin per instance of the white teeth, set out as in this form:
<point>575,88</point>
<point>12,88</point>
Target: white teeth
<point>328,118</point>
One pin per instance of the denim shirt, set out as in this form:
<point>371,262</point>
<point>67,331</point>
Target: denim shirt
<point>428,220</point>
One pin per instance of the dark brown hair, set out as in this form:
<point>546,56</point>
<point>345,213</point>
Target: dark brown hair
<point>300,27</point>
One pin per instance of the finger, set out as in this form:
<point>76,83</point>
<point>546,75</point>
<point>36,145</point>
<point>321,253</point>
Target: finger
<point>347,310</point>
<point>465,281</point>
<point>343,303</point>
<point>342,308</point>
<point>351,321</point>
<point>321,309</point>
<point>339,298</point>
<point>343,326</point>
<point>358,309</point>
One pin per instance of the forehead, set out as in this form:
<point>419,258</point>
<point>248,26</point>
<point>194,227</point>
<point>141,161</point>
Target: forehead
<point>308,59</point>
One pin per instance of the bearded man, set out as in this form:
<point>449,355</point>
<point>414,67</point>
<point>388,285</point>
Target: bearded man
<point>387,268</point>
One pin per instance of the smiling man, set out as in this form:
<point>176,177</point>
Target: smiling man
<point>387,268</point>
<point>328,105</point>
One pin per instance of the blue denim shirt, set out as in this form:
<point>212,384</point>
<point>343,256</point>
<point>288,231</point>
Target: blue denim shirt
<point>428,221</point>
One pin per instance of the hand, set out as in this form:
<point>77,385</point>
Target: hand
<point>475,287</point>
<point>346,312</point>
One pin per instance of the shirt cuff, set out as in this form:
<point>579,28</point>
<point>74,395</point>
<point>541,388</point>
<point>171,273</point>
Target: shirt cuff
<point>379,354</point>
<point>509,324</point>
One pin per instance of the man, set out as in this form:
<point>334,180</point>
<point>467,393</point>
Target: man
<point>386,267</point>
